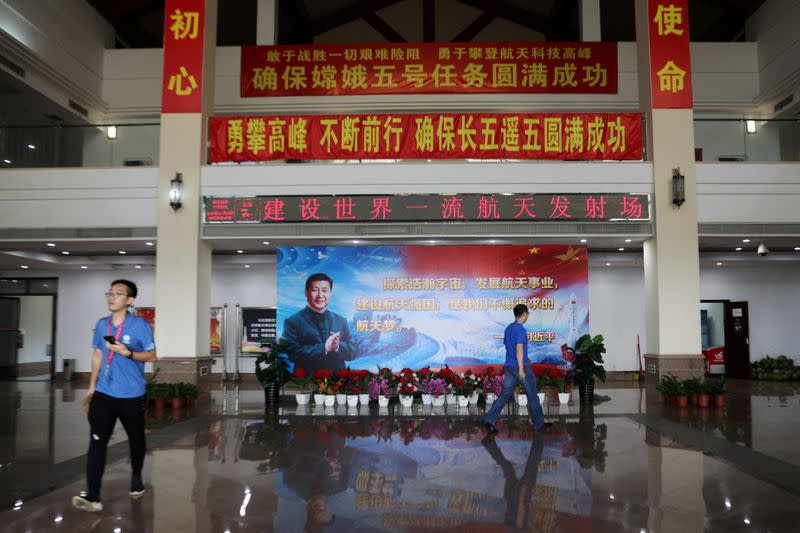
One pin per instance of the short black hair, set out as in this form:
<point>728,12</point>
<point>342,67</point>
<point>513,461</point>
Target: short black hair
<point>519,310</point>
<point>132,290</point>
<point>319,276</point>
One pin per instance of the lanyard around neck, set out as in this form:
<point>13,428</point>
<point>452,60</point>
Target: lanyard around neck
<point>116,337</point>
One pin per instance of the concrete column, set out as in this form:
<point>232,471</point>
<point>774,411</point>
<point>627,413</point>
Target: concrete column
<point>671,257</point>
<point>590,20</point>
<point>183,261</point>
<point>266,22</point>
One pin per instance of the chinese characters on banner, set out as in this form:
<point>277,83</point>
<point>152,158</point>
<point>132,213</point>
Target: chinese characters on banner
<point>426,208</point>
<point>670,61</point>
<point>579,136</point>
<point>521,67</point>
<point>181,84</point>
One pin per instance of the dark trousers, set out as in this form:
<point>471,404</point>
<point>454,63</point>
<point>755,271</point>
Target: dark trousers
<point>104,410</point>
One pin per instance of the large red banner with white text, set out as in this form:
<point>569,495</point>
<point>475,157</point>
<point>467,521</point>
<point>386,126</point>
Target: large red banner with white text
<point>416,68</point>
<point>578,136</point>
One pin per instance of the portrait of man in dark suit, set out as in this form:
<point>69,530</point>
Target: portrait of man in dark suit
<point>316,337</point>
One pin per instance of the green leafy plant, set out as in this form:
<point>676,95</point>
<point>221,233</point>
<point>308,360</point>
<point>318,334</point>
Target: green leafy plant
<point>543,380</point>
<point>561,384</point>
<point>271,365</point>
<point>714,386</point>
<point>588,363</point>
<point>692,386</point>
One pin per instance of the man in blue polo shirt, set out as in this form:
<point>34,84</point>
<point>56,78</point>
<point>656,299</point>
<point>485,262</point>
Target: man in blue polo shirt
<point>517,370</point>
<point>117,390</point>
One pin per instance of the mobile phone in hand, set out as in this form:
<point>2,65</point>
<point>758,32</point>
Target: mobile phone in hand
<point>110,339</point>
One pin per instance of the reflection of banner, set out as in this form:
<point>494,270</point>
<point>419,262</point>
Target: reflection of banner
<point>425,208</point>
<point>149,314</point>
<point>415,306</point>
<point>217,326</point>
<point>258,325</point>
<point>558,136</point>
<point>418,68</point>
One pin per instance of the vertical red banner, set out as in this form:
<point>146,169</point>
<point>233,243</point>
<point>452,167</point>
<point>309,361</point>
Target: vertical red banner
<point>181,84</point>
<point>670,61</point>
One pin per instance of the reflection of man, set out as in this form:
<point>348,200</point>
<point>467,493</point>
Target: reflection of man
<point>517,492</point>
<point>318,338</point>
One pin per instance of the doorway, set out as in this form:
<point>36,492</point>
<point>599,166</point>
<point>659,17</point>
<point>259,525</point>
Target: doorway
<point>725,337</point>
<point>9,336</point>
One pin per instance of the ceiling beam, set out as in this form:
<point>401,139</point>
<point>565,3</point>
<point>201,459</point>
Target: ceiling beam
<point>382,27</point>
<point>500,8</point>
<point>475,27</point>
<point>348,14</point>
<point>428,21</point>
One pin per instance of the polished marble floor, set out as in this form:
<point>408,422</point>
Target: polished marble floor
<point>226,465</point>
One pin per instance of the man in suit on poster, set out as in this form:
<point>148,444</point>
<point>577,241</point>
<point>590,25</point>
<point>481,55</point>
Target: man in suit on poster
<point>318,338</point>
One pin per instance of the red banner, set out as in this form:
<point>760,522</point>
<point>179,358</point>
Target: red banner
<point>580,136</point>
<point>522,67</point>
<point>670,60</point>
<point>181,84</point>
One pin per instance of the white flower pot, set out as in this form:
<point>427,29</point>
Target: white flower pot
<point>383,401</point>
<point>352,400</point>
<point>438,401</point>
<point>330,400</point>
<point>341,399</point>
<point>490,398</point>
<point>522,399</point>
<point>352,410</point>
<point>302,398</point>
<point>406,401</point>
<point>563,397</point>
<point>426,399</point>
<point>363,399</point>
<point>541,397</point>
<point>383,411</point>
<point>473,398</point>
<point>451,398</point>
<point>463,401</point>
<point>319,399</point>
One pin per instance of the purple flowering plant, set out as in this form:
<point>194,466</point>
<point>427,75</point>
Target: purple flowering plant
<point>435,387</point>
<point>493,384</point>
<point>378,386</point>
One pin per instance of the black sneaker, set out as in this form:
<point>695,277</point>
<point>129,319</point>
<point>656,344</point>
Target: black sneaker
<point>490,428</point>
<point>137,487</point>
<point>80,502</point>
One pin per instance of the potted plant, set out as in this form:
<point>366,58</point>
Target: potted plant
<point>339,387</point>
<point>423,377</point>
<point>301,379</point>
<point>492,385</point>
<point>436,388</point>
<point>449,377</point>
<point>189,392</point>
<point>703,396</point>
<point>669,388</point>
<point>271,370</point>
<point>158,393</point>
<point>364,376</point>
<point>692,388</point>
<point>462,390</point>
<point>474,384</point>
<point>380,387</point>
<point>561,384</point>
<point>588,365</point>
<point>176,395</point>
<point>322,379</point>
<point>716,389</point>
<point>520,396</point>
<point>542,380</point>
<point>353,387</point>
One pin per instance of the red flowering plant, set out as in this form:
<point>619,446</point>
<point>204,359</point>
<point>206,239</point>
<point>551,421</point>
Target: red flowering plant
<point>423,376</point>
<point>354,383</point>
<point>461,387</point>
<point>300,378</point>
<point>406,387</point>
<point>492,382</point>
<point>324,380</point>
<point>472,380</point>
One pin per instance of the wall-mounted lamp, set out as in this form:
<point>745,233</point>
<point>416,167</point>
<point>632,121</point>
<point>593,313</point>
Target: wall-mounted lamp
<point>176,191</point>
<point>111,132</point>
<point>678,187</point>
<point>750,125</point>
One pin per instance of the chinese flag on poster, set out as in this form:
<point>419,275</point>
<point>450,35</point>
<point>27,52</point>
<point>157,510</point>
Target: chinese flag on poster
<point>181,83</point>
<point>670,61</point>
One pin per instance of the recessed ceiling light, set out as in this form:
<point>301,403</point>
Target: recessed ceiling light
<point>148,243</point>
<point>747,521</point>
<point>622,249</point>
<point>45,285</point>
<point>13,281</point>
<point>719,264</point>
<point>24,267</point>
<point>745,240</point>
<point>137,266</point>
<point>84,267</point>
<point>797,248</point>
<point>31,147</point>
<point>7,161</point>
<point>266,242</point>
<point>492,241</point>
<point>738,248</point>
<point>356,241</point>
<point>247,266</point>
<point>583,240</point>
<point>51,244</point>
<point>64,252</point>
<point>432,241</point>
<point>122,252</point>
<point>627,240</point>
<point>239,251</point>
<point>608,264</point>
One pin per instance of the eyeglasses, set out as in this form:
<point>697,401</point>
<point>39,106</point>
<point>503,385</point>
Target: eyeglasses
<point>113,294</point>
